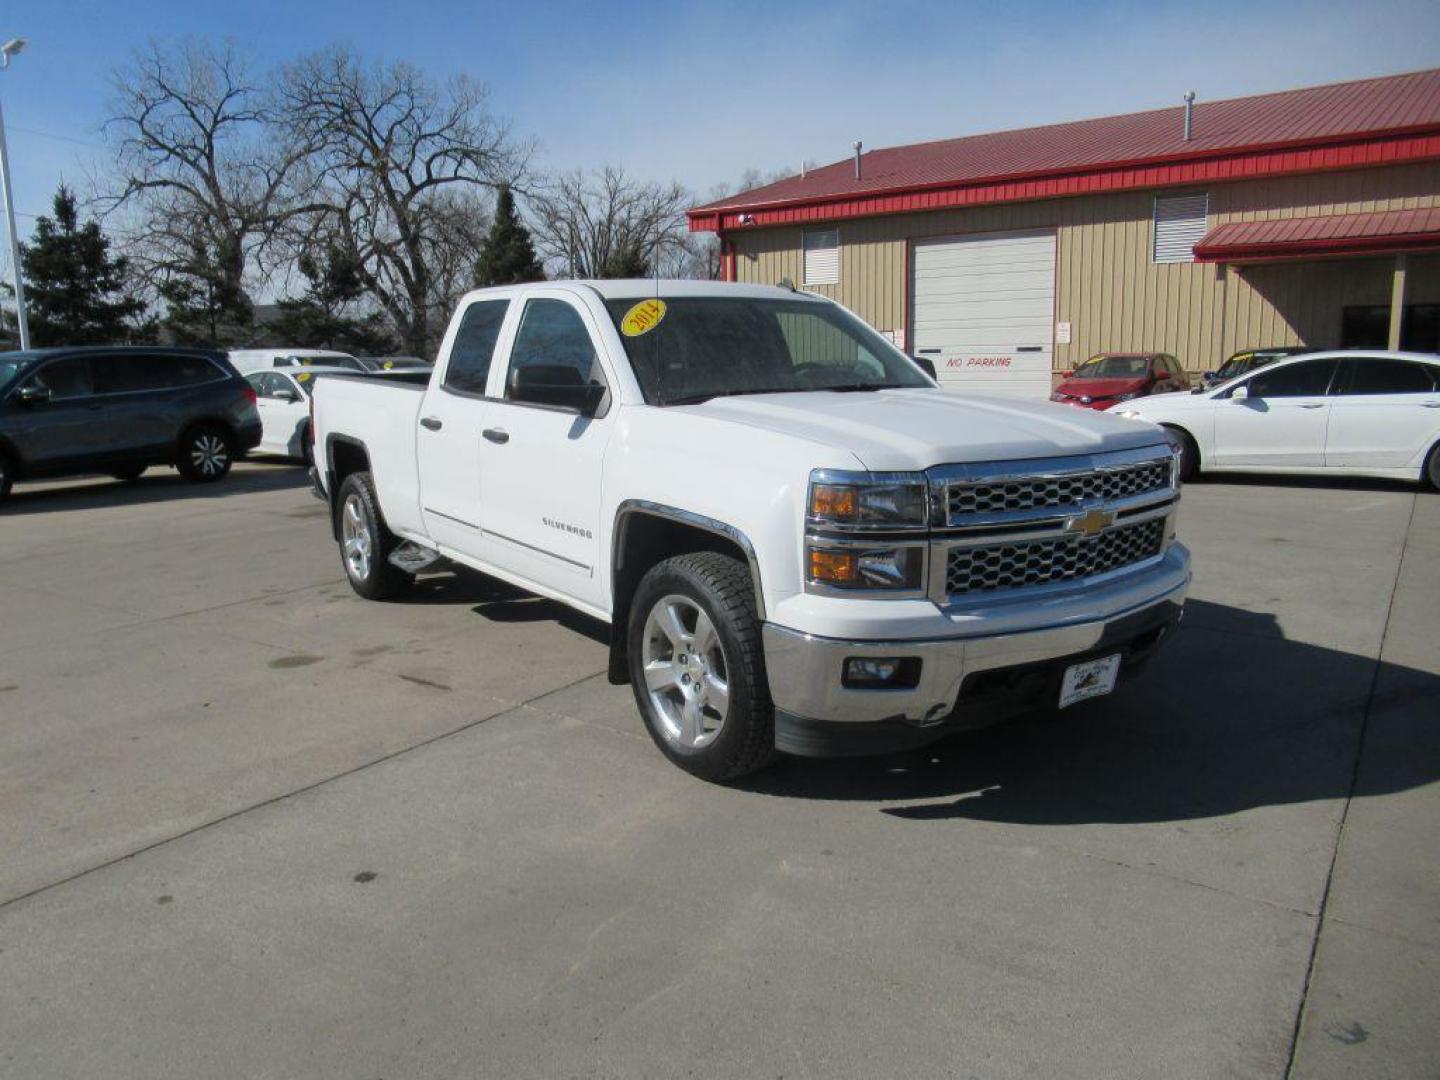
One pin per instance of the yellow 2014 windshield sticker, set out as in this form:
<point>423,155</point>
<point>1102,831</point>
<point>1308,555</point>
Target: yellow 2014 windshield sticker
<point>643,317</point>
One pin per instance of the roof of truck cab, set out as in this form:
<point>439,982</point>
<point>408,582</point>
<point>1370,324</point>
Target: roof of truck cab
<point>664,288</point>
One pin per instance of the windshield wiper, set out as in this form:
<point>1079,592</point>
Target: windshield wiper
<point>696,399</point>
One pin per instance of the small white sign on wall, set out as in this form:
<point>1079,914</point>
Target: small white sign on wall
<point>1062,333</point>
<point>895,337</point>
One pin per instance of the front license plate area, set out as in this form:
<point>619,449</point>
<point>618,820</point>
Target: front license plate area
<point>1089,679</point>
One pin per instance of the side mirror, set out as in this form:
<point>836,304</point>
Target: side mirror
<point>1240,393</point>
<point>557,386</point>
<point>287,395</point>
<point>33,395</point>
<point>925,364</point>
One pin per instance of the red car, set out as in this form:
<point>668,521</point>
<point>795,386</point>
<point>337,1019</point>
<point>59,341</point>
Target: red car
<point>1110,378</point>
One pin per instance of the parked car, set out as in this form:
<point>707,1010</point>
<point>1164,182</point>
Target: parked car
<point>246,361</point>
<point>394,363</point>
<point>1110,378</point>
<point>799,541</point>
<point>1324,413</point>
<point>120,411</point>
<point>282,396</point>
<point>1246,361</point>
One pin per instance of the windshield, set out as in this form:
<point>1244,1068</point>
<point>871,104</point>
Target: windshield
<point>339,360</point>
<point>1113,367</point>
<point>703,347</point>
<point>9,368</point>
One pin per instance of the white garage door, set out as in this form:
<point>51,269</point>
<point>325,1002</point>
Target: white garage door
<point>985,311</point>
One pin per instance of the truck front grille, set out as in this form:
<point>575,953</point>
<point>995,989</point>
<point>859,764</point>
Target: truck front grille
<point>1018,563</point>
<point>1041,492</point>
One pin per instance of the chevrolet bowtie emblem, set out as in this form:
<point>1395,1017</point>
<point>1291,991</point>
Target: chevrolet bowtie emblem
<point>1091,523</point>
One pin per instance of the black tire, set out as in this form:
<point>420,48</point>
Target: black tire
<point>1189,453</point>
<point>205,454</point>
<point>7,477</point>
<point>373,577</point>
<point>130,474</point>
<point>721,587</point>
<point>1432,467</point>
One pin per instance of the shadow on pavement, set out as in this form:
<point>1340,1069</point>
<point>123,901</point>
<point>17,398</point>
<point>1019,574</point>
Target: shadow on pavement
<point>159,484</point>
<point>1229,716</point>
<point>501,602</point>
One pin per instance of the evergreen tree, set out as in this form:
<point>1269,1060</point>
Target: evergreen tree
<point>203,304</point>
<point>628,262</point>
<point>318,319</point>
<point>507,257</point>
<point>75,293</point>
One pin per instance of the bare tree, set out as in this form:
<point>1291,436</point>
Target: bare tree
<point>201,166</point>
<point>400,163</point>
<point>607,224</point>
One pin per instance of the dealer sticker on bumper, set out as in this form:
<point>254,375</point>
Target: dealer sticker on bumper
<point>1090,679</point>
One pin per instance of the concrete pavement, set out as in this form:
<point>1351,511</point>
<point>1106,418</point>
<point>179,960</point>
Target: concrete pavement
<point>253,826</point>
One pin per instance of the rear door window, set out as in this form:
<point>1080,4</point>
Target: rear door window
<point>471,355</point>
<point>1379,375</point>
<point>1309,378</point>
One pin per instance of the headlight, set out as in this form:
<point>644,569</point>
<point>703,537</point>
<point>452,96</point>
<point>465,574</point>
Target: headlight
<point>880,567</point>
<point>856,500</point>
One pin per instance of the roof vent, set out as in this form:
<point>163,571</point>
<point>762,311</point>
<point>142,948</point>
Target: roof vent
<point>857,159</point>
<point>1189,114</point>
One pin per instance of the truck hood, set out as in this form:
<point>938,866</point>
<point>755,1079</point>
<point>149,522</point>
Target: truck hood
<point>902,430</point>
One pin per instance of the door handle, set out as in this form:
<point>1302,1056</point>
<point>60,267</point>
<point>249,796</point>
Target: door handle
<point>1430,404</point>
<point>431,423</point>
<point>1312,405</point>
<point>496,434</point>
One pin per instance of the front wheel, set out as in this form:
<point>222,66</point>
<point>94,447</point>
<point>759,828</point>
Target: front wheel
<point>205,454</point>
<point>1432,467</point>
<point>365,542</point>
<point>697,666</point>
<point>7,476</point>
<point>1189,452</point>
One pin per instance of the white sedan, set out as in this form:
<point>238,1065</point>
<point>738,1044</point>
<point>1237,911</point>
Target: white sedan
<point>282,397</point>
<point>1322,413</point>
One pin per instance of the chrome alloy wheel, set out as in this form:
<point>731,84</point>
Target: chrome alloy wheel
<point>686,673</point>
<point>209,454</point>
<point>356,538</point>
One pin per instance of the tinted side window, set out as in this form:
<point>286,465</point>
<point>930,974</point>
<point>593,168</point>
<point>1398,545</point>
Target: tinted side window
<point>65,378</point>
<point>127,374</point>
<point>1309,378</point>
<point>552,335</point>
<point>474,347</point>
<point>1378,376</point>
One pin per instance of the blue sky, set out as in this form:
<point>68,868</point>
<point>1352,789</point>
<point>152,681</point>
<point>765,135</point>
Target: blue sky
<point>699,92</point>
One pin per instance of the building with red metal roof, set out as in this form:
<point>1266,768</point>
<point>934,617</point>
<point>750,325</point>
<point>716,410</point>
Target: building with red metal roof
<point>1308,217</point>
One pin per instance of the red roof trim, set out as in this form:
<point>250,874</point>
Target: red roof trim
<point>1159,172</point>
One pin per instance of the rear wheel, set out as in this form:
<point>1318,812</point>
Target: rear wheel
<point>7,476</point>
<point>1432,467</point>
<point>1189,452</point>
<point>366,544</point>
<point>206,453</point>
<point>697,666</point>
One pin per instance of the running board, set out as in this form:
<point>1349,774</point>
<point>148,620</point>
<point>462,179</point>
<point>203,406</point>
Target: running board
<point>412,558</point>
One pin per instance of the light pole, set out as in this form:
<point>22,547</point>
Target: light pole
<point>9,49</point>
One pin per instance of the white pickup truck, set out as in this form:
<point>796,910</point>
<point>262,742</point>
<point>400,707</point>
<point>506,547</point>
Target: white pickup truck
<point>800,542</point>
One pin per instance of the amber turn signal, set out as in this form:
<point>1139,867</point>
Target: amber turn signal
<point>833,567</point>
<point>832,502</point>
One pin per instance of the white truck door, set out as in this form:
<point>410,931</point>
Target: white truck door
<point>448,434</point>
<point>542,454</point>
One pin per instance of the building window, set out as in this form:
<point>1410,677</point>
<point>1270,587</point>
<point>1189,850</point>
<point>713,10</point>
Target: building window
<point>822,257</point>
<point>1179,226</point>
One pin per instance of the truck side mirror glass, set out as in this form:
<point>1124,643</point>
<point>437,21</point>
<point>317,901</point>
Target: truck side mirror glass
<point>33,395</point>
<point>925,364</point>
<point>556,385</point>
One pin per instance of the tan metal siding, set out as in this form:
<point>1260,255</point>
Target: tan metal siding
<point>1107,288</point>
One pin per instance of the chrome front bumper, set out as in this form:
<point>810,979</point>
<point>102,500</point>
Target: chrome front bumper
<point>806,671</point>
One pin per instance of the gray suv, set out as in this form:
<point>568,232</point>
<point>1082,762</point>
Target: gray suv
<point>121,410</point>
